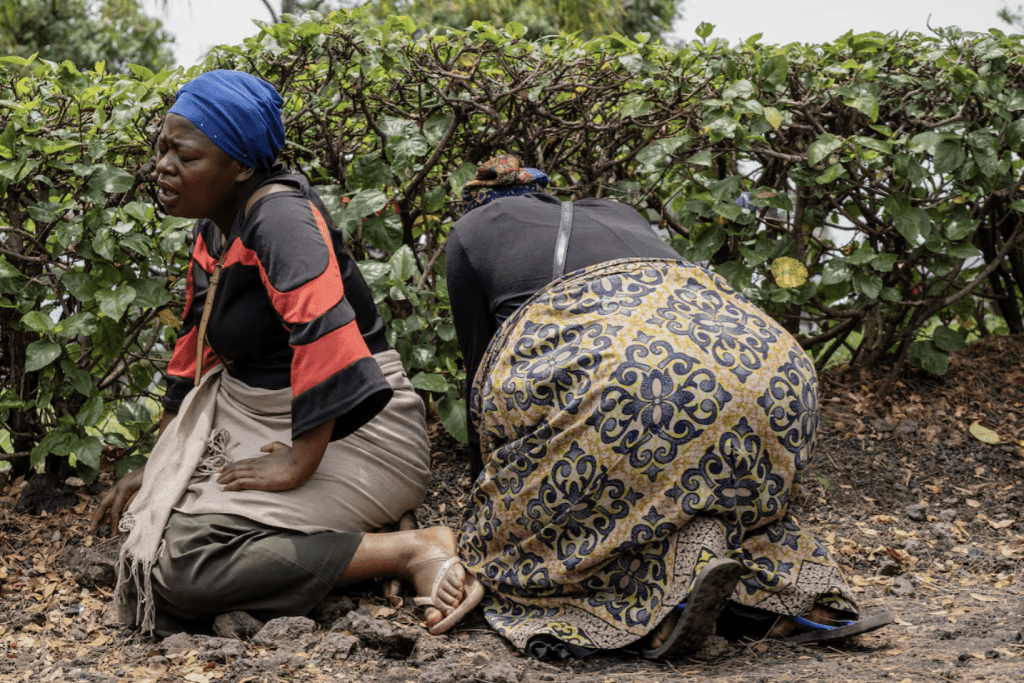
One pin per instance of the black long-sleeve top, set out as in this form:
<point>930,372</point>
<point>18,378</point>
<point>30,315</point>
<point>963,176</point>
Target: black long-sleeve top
<point>501,254</point>
<point>291,310</point>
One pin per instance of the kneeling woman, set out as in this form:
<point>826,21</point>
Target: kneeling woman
<point>643,429</point>
<point>290,428</point>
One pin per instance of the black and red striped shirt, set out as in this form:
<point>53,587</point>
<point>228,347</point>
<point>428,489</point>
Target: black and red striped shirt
<point>291,309</point>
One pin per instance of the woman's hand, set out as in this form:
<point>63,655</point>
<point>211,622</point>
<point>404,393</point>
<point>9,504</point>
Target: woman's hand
<point>279,470</point>
<point>117,500</point>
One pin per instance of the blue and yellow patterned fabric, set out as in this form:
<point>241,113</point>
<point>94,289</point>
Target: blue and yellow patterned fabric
<point>639,418</point>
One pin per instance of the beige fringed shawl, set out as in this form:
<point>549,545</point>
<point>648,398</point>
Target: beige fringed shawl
<point>176,456</point>
<point>364,481</point>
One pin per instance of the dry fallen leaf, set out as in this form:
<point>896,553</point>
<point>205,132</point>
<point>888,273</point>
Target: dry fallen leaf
<point>984,434</point>
<point>1001,524</point>
<point>788,272</point>
<point>984,598</point>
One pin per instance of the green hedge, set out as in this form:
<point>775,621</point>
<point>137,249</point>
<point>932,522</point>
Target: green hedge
<point>864,192</point>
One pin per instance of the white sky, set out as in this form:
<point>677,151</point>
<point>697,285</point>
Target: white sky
<point>198,25</point>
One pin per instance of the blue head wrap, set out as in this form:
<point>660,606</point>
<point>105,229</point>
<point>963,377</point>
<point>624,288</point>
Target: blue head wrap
<point>239,112</point>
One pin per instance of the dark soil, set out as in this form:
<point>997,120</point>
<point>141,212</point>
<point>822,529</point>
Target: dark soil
<point>925,518</point>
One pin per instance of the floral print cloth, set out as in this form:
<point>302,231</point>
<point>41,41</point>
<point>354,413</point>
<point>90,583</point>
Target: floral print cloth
<point>639,418</point>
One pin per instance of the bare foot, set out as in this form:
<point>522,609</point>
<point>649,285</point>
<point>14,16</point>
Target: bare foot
<point>432,548</point>
<point>819,614</point>
<point>660,634</point>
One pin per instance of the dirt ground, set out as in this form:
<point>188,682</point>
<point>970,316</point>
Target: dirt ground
<point>923,515</point>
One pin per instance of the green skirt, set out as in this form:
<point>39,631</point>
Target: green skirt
<point>638,419</point>
<point>213,564</point>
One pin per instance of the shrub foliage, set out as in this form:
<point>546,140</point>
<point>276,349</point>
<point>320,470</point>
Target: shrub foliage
<point>863,192</point>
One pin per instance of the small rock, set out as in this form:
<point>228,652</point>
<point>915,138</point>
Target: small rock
<point>916,512</point>
<point>223,650</point>
<point>943,533</point>
<point>391,639</point>
<point>902,587</point>
<point>889,568</point>
<point>238,625</point>
<point>283,631</point>
<point>951,500</point>
<point>332,608</point>
<point>429,649</point>
<point>712,648</point>
<point>338,646</point>
<point>907,427</point>
<point>913,546</point>
<point>91,568</point>
<point>177,644</point>
<point>883,426</point>
<point>947,515</point>
<point>480,659</point>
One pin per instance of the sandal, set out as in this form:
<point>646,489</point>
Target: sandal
<point>711,589</point>
<point>821,633</point>
<point>473,592</point>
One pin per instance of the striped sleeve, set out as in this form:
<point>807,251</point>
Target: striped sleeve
<point>333,374</point>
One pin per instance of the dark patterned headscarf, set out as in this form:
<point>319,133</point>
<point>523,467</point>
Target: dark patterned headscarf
<point>501,176</point>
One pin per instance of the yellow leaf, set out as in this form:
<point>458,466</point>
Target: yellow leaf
<point>773,116</point>
<point>100,640</point>
<point>959,200</point>
<point>984,434</point>
<point>169,319</point>
<point>1002,524</point>
<point>196,678</point>
<point>984,598</point>
<point>788,272</point>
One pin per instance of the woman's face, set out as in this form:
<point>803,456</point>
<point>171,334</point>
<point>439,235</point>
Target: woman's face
<point>197,179</point>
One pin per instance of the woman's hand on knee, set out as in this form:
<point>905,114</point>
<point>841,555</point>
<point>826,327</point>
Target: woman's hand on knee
<point>278,470</point>
<point>117,500</point>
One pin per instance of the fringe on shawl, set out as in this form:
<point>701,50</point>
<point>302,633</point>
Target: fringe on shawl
<point>138,573</point>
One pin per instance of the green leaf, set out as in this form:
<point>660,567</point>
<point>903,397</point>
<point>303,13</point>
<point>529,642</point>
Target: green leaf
<point>87,451</point>
<point>91,412</point>
<point>867,284</point>
<point>704,29</point>
<point>80,323</point>
<point>142,72</point>
<point>7,270</point>
<point>775,70</point>
<point>111,180</point>
<point>37,322</point>
<point>453,416</point>
<point>403,264</point>
<point>366,203</point>
<point>39,354</point>
<point>835,271</point>
<point>823,146</point>
<point>831,174</point>
<point>741,89</point>
<point>948,339</point>
<point>115,303</point>
<point>131,412</point>
<point>656,152</point>
<point>150,293</point>
<point>965,251</point>
<point>961,226</point>
<point>80,285</point>
<point>515,29</point>
<point>1015,135</point>
<point>911,221</point>
<point>108,337</point>
<point>429,381</point>
<point>949,156</point>
<point>864,102</point>
<point>925,142</point>
<point>927,356</point>
<point>436,126</point>
<point>460,176</point>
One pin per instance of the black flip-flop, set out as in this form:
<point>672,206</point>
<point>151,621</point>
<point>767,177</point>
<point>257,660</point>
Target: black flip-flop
<point>711,589</point>
<point>821,633</point>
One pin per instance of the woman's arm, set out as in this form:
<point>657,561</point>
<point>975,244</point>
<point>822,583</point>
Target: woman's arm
<point>283,467</point>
